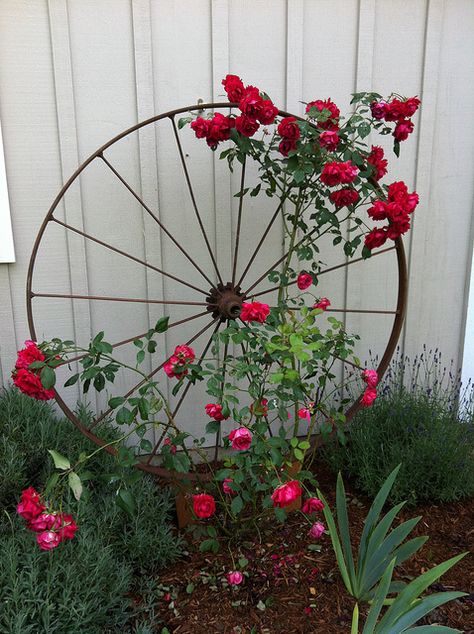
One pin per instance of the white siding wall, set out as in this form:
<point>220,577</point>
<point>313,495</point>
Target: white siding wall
<point>73,73</point>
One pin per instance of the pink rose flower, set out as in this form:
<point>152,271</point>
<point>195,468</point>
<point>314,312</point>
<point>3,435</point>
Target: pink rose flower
<point>322,304</point>
<point>403,129</point>
<point>378,109</point>
<point>304,413</point>
<point>369,397</point>
<point>28,354</point>
<point>44,522</point>
<point>204,505</point>
<point>47,540</point>
<point>214,410</point>
<point>226,487</point>
<point>240,438</point>
<point>176,364</point>
<point>255,311</point>
<point>329,139</point>
<point>317,530</point>
<point>287,493</point>
<point>169,443</point>
<point>304,281</point>
<point>312,505</point>
<point>235,578</point>
<point>370,377</point>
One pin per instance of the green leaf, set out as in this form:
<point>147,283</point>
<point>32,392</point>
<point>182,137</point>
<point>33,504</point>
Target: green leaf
<point>364,129</point>
<point>343,523</point>
<point>140,356</point>
<point>51,483</point>
<point>162,324</point>
<point>184,121</point>
<point>72,380</point>
<point>433,629</point>
<point>48,378</point>
<point>125,500</point>
<point>124,416</point>
<point>380,596</point>
<point>60,462</point>
<point>237,505</point>
<point>421,609</point>
<point>115,401</point>
<point>75,484</point>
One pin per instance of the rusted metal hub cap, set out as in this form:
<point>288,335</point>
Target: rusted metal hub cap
<point>225,301</point>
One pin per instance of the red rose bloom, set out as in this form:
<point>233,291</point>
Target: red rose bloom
<point>376,158</point>
<point>200,127</point>
<point>267,112</point>
<point>204,505</point>
<point>286,146</point>
<point>255,311</point>
<point>48,540</point>
<point>44,522</point>
<point>335,173</point>
<point>410,106</point>
<point>378,109</point>
<point>260,408</point>
<point>376,238</point>
<point>214,410</point>
<point>403,128</point>
<point>370,377</point>
<point>344,197</point>
<point>251,102</point>
<point>304,281</point>
<point>28,355</point>
<point>246,125</point>
<point>332,121</point>
<point>176,364</point>
<point>322,304</point>
<point>289,129</point>
<point>240,438</point>
<point>368,397</point>
<point>30,384</point>
<point>329,140</point>
<point>234,88</point>
<point>378,211</point>
<point>219,128</point>
<point>68,527</point>
<point>312,505</point>
<point>348,172</point>
<point>285,494</point>
<point>30,505</point>
<point>394,110</point>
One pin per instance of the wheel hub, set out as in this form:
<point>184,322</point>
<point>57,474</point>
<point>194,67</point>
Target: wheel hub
<point>225,301</point>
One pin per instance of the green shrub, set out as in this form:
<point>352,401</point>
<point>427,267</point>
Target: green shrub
<point>81,586</point>
<point>425,425</point>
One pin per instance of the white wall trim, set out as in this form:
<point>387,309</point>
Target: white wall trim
<point>7,249</point>
<point>468,351</point>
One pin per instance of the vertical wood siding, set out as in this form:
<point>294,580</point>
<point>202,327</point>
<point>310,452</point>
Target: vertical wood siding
<point>74,73</point>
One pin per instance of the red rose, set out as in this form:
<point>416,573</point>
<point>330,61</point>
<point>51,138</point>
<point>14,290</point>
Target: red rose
<point>394,110</point>
<point>251,102</point>
<point>48,540</point>
<point>286,146</point>
<point>176,364</point>
<point>335,173</point>
<point>403,129</point>
<point>370,377</point>
<point>329,139</point>
<point>285,494</point>
<point>289,129</point>
<point>219,128</point>
<point>214,410</point>
<point>30,384</point>
<point>240,438</point>
<point>394,211</point>
<point>185,353</point>
<point>378,211</point>
<point>30,507</point>
<point>344,197</point>
<point>304,281</point>
<point>44,522</point>
<point>411,202</point>
<point>376,158</point>
<point>398,192</point>
<point>28,355</point>
<point>68,527</point>
<point>267,112</point>
<point>260,408</point>
<point>204,505</point>
<point>312,505</point>
<point>410,106</point>
<point>234,87</point>
<point>255,311</point>
<point>200,127</point>
<point>378,109</point>
<point>348,172</point>
<point>332,121</point>
<point>376,238</point>
<point>398,227</point>
<point>246,125</point>
<point>322,304</point>
<point>227,488</point>
<point>368,397</point>
<point>167,442</point>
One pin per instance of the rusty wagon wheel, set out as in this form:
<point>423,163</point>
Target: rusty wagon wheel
<point>218,294</point>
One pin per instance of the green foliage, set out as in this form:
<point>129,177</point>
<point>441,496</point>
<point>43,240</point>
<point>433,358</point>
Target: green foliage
<point>377,547</point>
<point>419,430</point>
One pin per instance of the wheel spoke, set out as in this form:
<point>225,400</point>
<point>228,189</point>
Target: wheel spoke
<point>104,298</point>
<point>218,433</point>
<point>130,339</point>
<point>193,199</point>
<point>239,222</point>
<point>328,270</point>
<point>127,255</point>
<point>351,310</point>
<point>262,240</point>
<point>150,375</point>
<point>156,219</point>
<point>182,397</point>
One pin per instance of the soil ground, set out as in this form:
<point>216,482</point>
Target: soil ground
<point>293,587</point>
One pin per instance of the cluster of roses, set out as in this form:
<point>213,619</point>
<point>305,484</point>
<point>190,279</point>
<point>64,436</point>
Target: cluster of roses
<point>51,528</point>
<point>377,160</point>
<point>28,380</point>
<point>255,111</point>
<point>396,209</point>
<point>176,366</point>
<point>399,111</point>
<point>371,379</point>
<point>329,137</point>
<point>341,173</point>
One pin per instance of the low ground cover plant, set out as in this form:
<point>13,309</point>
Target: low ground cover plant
<point>424,420</point>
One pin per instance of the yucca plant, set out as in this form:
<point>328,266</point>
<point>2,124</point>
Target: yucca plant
<point>407,608</point>
<point>377,548</point>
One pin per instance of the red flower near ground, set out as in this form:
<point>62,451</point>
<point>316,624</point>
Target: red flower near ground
<point>255,311</point>
<point>48,540</point>
<point>28,354</point>
<point>235,578</point>
<point>369,396</point>
<point>204,505</point>
<point>312,505</point>
<point>304,281</point>
<point>30,384</point>
<point>30,505</point>
<point>240,438</point>
<point>370,377</point>
<point>317,530</point>
<point>226,487</point>
<point>285,494</point>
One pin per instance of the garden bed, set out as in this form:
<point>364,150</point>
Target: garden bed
<point>291,587</point>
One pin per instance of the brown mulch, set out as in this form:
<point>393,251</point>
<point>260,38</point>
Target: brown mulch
<point>293,589</point>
